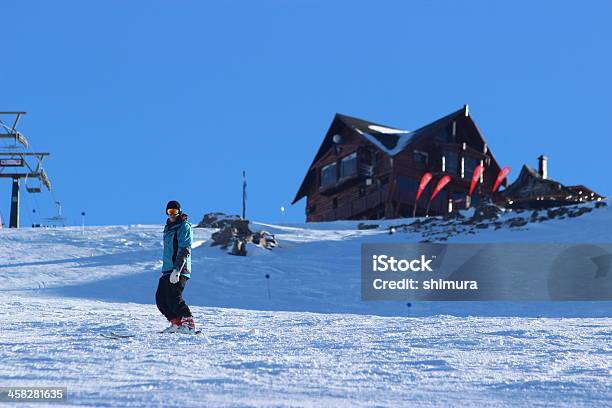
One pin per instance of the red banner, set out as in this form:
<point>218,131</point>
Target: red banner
<point>500,177</point>
<point>424,181</point>
<point>476,177</point>
<point>443,182</point>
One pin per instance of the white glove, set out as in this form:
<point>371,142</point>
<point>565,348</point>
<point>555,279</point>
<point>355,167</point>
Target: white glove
<point>174,276</point>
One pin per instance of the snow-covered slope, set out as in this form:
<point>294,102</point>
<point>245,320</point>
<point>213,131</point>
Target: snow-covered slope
<point>315,269</point>
<point>299,337</point>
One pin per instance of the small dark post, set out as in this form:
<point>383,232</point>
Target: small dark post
<point>244,186</point>
<point>14,222</point>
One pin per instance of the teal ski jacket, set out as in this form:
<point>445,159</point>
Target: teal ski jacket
<point>178,237</point>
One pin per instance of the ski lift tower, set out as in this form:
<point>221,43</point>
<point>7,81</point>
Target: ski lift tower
<point>14,162</point>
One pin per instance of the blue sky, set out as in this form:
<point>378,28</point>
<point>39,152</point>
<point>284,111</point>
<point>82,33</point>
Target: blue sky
<point>142,102</point>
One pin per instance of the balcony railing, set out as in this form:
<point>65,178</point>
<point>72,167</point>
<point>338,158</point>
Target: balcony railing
<point>357,206</point>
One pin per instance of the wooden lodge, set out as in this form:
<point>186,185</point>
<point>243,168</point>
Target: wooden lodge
<point>365,170</point>
<point>535,190</point>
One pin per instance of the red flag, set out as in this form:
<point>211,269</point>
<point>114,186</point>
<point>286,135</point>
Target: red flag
<point>424,181</point>
<point>500,177</point>
<point>443,182</point>
<point>477,173</point>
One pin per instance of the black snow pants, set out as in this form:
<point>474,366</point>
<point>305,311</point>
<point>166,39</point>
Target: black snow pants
<point>169,298</point>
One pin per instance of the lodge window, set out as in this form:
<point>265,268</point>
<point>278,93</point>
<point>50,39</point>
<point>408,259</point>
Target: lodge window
<point>420,157</point>
<point>451,162</point>
<point>470,165</point>
<point>348,166</point>
<point>368,157</point>
<point>407,184</point>
<point>328,175</point>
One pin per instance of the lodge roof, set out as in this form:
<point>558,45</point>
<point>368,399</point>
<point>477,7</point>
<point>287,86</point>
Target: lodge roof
<point>389,140</point>
<point>392,140</point>
<point>530,184</point>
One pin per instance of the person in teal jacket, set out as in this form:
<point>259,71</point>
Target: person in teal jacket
<point>176,271</point>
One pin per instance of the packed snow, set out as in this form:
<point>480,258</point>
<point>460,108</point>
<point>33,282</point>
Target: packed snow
<point>300,337</point>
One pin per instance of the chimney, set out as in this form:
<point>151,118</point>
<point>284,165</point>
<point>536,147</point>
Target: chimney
<point>543,166</point>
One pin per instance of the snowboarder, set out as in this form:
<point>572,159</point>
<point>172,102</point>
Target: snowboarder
<point>176,271</point>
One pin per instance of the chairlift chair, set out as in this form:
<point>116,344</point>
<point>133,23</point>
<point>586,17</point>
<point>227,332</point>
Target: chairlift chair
<point>32,189</point>
<point>42,179</point>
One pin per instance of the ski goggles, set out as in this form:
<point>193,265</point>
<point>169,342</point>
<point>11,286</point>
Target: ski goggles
<point>172,211</point>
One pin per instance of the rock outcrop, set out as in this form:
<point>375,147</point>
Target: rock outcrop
<point>234,233</point>
<point>485,216</point>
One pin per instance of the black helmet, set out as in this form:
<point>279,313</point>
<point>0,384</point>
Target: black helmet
<point>174,204</point>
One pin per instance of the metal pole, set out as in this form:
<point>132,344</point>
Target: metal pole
<point>14,221</point>
<point>244,185</point>
<point>268,285</point>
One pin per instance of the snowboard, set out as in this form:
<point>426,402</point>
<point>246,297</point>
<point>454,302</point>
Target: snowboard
<point>113,335</point>
<point>119,336</point>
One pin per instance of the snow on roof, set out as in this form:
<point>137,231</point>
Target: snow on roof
<point>386,130</point>
<point>391,141</point>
